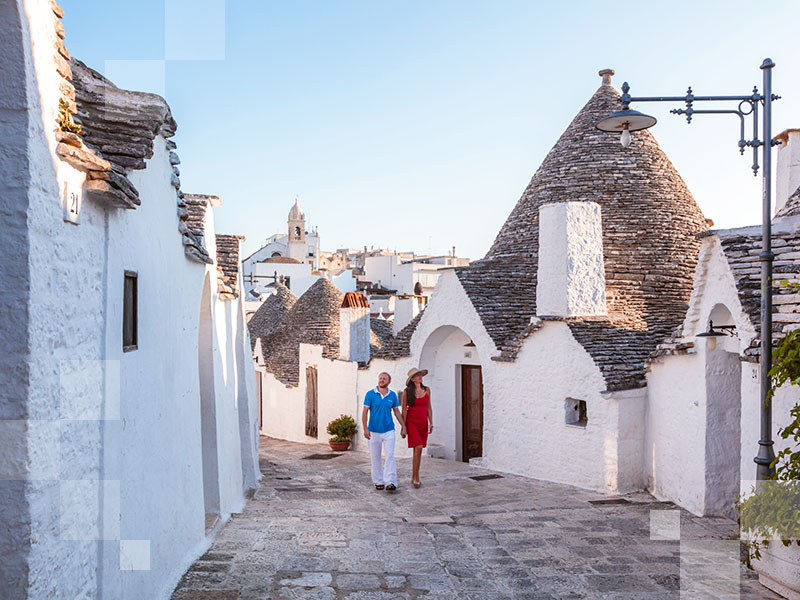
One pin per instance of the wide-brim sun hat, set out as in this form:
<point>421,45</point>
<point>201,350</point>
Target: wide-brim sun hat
<point>413,372</point>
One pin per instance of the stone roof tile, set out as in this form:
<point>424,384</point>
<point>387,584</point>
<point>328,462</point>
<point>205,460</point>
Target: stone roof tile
<point>314,319</point>
<point>228,265</point>
<point>742,252</point>
<point>271,313</point>
<point>650,223</point>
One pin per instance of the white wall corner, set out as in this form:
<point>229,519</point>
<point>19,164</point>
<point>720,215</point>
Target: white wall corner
<point>787,169</point>
<point>571,274</point>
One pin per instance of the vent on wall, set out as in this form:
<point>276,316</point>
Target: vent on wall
<point>575,412</point>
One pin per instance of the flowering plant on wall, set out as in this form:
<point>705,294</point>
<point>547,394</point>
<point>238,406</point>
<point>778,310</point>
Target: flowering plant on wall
<point>342,428</point>
<point>772,511</point>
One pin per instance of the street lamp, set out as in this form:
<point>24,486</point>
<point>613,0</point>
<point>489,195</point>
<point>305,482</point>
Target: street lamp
<point>626,121</point>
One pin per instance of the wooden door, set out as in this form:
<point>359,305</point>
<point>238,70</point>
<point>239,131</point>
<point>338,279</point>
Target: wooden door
<point>311,401</point>
<point>471,412</point>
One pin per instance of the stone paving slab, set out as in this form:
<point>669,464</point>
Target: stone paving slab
<point>319,529</point>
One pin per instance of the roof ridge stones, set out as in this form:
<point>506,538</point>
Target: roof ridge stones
<point>314,319</point>
<point>228,265</point>
<point>742,253</point>
<point>650,222</point>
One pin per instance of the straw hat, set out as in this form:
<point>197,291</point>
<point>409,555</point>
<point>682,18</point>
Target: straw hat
<point>413,372</point>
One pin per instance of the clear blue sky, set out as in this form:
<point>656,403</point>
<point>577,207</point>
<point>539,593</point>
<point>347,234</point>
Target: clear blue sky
<point>417,124</point>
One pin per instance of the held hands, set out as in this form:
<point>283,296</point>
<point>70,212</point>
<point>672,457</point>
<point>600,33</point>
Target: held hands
<point>403,432</point>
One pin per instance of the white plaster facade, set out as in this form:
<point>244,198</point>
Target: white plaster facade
<point>102,469</point>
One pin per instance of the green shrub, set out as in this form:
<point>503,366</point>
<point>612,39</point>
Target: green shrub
<point>342,428</point>
<point>772,511</point>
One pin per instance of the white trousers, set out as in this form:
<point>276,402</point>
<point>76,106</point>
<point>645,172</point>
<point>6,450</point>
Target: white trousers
<point>383,472</point>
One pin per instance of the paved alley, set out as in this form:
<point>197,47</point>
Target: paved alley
<point>317,528</point>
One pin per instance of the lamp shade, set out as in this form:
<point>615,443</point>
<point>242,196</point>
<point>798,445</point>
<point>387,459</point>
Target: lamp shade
<point>634,120</point>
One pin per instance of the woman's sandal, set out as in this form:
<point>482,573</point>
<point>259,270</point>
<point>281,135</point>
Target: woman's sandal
<point>416,484</point>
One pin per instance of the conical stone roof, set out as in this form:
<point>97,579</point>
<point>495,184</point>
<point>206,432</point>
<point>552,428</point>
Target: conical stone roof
<point>650,223</point>
<point>314,319</point>
<point>270,314</point>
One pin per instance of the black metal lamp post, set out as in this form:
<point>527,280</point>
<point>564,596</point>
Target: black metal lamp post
<point>626,121</point>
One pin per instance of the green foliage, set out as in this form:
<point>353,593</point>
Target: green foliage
<point>342,428</point>
<point>65,122</point>
<point>773,509</point>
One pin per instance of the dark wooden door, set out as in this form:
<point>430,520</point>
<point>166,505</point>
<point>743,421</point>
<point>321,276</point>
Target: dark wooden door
<point>311,401</point>
<point>471,412</point>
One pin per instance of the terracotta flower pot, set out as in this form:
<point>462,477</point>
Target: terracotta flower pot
<point>339,446</point>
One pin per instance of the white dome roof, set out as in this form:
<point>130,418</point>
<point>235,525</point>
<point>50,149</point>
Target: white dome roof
<point>296,214</point>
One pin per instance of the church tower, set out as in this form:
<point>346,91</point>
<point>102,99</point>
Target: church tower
<point>297,233</point>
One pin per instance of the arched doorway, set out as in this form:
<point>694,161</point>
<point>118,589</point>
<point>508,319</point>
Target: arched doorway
<point>456,381</point>
<point>723,376</point>
<point>208,410</point>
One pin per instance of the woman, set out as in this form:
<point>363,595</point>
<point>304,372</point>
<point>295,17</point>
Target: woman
<point>418,417</point>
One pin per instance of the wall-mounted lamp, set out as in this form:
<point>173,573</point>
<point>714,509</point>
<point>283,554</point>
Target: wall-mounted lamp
<point>715,331</point>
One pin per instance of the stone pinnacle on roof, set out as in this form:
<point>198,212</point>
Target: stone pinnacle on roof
<point>606,74</point>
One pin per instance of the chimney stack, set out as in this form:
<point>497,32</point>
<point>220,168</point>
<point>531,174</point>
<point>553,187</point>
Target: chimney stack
<point>405,309</point>
<point>571,279</point>
<point>354,328</point>
<point>787,170</point>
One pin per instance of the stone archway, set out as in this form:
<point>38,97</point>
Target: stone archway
<point>723,377</point>
<point>448,354</point>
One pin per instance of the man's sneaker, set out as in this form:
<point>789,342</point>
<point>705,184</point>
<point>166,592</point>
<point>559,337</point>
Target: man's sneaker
<point>379,487</point>
<point>391,487</point>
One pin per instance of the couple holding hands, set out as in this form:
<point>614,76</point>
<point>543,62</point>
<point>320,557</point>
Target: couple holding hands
<point>415,415</point>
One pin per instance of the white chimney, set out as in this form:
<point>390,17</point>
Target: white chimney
<point>405,309</point>
<point>571,277</point>
<point>787,170</point>
<point>354,328</point>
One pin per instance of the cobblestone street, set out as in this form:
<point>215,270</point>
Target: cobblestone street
<point>317,528</point>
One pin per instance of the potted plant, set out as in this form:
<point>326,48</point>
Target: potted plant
<point>341,430</point>
<point>772,512</point>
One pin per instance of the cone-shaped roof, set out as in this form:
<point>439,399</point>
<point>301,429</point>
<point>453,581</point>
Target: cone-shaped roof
<point>314,319</point>
<point>296,213</point>
<point>650,222</point>
<point>269,315</point>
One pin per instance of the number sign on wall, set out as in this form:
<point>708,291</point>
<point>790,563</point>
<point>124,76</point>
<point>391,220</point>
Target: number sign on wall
<point>71,200</point>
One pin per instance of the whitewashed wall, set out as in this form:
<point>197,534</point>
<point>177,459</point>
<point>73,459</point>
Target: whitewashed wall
<point>524,402</point>
<point>101,451</point>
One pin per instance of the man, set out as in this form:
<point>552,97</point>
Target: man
<point>379,404</point>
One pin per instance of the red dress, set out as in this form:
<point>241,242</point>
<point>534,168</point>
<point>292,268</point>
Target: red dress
<point>417,422</point>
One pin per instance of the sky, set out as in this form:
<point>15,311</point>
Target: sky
<point>417,124</point>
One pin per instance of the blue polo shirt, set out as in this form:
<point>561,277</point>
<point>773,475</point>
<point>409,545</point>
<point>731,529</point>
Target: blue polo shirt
<point>380,410</point>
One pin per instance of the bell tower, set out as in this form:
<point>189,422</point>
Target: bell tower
<point>297,233</point>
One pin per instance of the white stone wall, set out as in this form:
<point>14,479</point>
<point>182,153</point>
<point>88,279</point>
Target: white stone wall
<point>571,275</point>
<point>101,449</point>
<point>787,168</point>
<point>524,402</point>
<point>694,443</point>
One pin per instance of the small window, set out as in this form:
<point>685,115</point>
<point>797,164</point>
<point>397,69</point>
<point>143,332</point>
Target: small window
<point>130,318</point>
<point>275,254</point>
<point>575,412</point>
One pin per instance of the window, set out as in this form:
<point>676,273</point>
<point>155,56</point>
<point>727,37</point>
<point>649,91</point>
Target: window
<point>130,313</point>
<point>275,254</point>
<point>297,232</point>
<point>575,412</point>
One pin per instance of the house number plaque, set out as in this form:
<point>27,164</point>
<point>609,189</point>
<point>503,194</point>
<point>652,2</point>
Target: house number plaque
<point>71,200</point>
